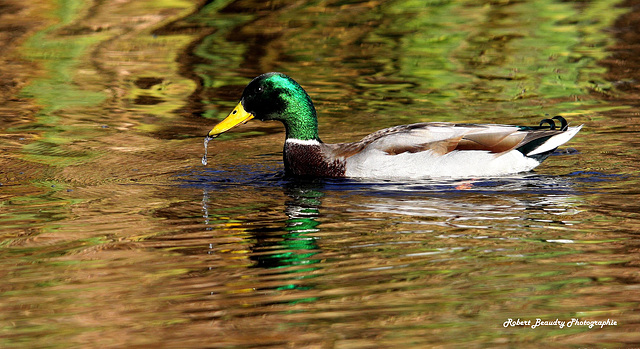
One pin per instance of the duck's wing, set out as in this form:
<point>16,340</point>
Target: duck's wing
<point>443,138</point>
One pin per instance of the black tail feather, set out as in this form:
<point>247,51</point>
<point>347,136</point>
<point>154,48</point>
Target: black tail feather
<point>548,125</point>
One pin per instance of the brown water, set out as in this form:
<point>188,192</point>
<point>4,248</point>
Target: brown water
<point>114,235</point>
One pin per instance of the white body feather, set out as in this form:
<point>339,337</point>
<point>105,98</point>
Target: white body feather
<point>373,162</point>
<point>426,164</point>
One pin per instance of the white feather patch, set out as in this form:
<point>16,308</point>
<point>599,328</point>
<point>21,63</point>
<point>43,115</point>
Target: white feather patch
<point>302,141</point>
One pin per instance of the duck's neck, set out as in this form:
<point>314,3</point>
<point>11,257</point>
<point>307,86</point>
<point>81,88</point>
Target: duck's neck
<point>299,117</point>
<point>303,129</point>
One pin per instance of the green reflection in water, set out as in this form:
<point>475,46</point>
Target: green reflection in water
<point>55,92</point>
<point>407,61</point>
<point>287,251</point>
<point>295,249</point>
<point>94,51</point>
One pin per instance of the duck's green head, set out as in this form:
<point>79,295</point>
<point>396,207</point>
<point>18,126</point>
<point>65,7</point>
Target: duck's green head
<point>274,96</point>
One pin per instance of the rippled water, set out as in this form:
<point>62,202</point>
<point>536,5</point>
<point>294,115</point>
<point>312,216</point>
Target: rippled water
<point>114,235</point>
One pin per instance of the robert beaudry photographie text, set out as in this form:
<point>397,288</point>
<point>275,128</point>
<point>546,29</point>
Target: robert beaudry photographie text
<point>559,323</point>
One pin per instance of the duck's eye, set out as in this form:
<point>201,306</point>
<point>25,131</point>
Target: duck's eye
<point>259,89</point>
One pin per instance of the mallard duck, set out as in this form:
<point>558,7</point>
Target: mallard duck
<point>422,150</point>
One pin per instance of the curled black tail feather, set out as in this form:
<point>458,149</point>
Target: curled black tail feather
<point>552,124</point>
<point>563,123</point>
<point>541,135</point>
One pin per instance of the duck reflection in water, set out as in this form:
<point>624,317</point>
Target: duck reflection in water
<point>290,249</point>
<point>285,253</point>
<point>297,246</point>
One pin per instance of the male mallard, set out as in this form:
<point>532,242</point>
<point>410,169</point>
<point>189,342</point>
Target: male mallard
<point>432,149</point>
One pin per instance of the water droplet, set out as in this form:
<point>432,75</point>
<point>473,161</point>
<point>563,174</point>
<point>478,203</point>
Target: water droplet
<point>206,143</point>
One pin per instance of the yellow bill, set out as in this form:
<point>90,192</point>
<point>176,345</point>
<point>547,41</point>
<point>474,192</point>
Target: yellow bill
<point>236,117</point>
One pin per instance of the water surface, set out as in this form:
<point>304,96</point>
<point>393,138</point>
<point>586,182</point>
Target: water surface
<point>113,234</point>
